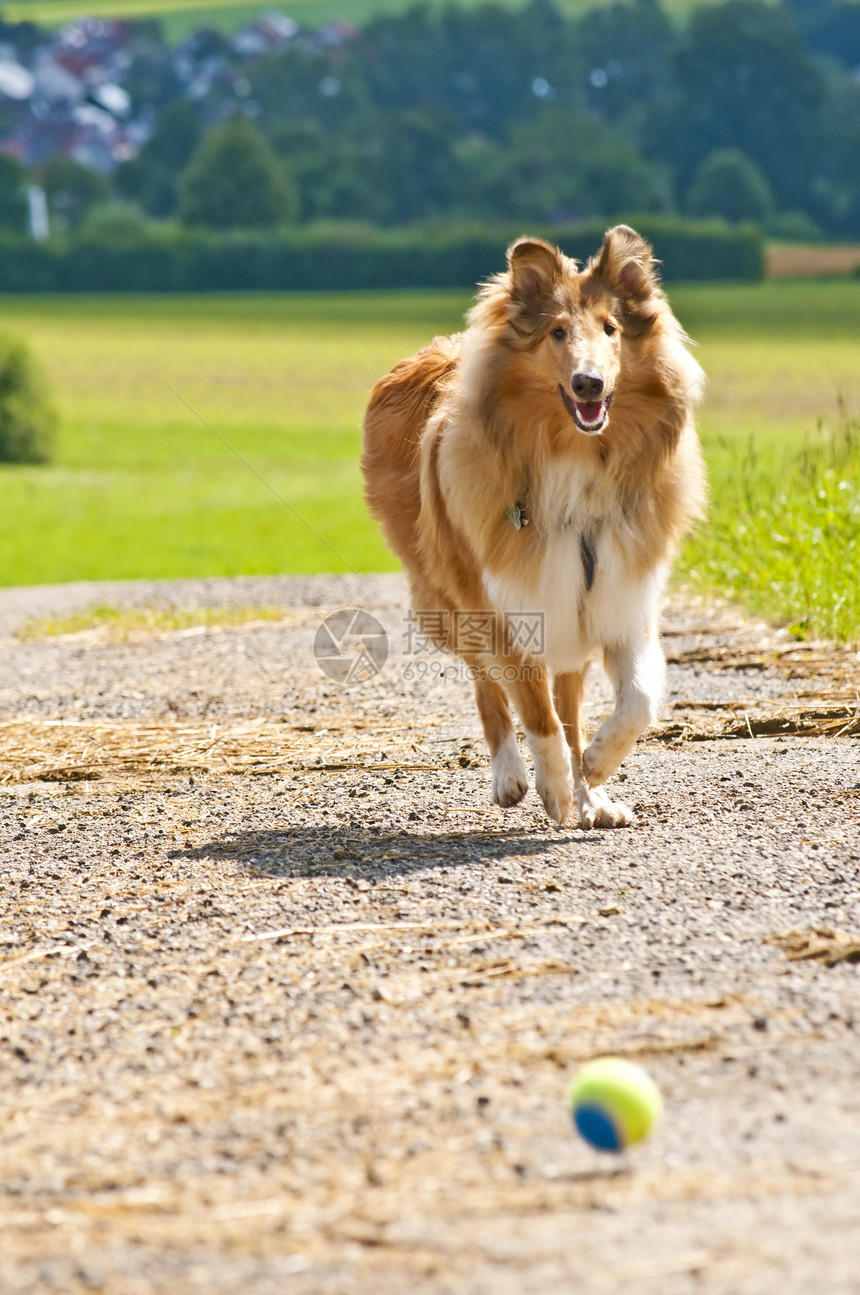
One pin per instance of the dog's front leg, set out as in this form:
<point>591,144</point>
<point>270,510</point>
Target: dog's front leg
<point>529,690</point>
<point>594,805</point>
<point>637,671</point>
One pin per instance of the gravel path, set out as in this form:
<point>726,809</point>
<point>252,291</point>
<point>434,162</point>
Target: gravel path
<point>288,1005</point>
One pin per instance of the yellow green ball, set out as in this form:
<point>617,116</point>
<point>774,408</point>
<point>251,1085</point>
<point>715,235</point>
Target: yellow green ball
<point>614,1103</point>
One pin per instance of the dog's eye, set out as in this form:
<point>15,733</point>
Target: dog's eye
<point>559,333</point>
<point>609,329</point>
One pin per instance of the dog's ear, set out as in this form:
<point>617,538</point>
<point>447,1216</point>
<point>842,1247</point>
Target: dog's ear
<point>535,269</point>
<point>625,265</point>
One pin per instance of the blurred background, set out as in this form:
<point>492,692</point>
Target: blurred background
<point>131,117</point>
<point>231,218</point>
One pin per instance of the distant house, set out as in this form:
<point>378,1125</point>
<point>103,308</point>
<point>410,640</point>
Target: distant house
<point>16,82</point>
<point>267,33</point>
<point>67,96</point>
<point>55,84</point>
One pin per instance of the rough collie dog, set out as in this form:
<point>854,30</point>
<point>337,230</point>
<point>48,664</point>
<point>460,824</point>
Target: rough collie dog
<point>539,470</point>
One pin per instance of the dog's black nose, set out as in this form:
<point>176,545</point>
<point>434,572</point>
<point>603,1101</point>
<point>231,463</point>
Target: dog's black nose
<point>588,385</point>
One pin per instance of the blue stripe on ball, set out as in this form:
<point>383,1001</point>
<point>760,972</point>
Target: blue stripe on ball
<point>596,1127</point>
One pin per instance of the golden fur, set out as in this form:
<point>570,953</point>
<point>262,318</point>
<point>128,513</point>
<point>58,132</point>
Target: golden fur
<point>568,405</point>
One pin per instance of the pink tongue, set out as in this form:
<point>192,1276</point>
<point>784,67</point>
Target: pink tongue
<point>589,411</point>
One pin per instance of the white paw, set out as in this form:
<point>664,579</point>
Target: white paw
<point>510,780</point>
<point>601,760</point>
<point>597,810</point>
<point>553,778</point>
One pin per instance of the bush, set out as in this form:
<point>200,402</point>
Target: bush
<point>13,198</point>
<point>348,256</point>
<point>793,227</point>
<point>115,224</point>
<point>697,250</point>
<point>26,418</point>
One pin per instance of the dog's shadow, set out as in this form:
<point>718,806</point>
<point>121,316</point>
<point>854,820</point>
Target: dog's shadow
<point>350,852</point>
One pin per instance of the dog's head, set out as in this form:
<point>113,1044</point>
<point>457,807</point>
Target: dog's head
<point>577,322</point>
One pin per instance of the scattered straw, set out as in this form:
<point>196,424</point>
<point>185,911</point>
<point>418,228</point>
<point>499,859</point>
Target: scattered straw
<point>821,944</point>
<point>70,751</point>
<point>478,930</point>
<point>762,717</point>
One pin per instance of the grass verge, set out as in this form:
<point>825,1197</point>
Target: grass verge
<point>120,624</point>
<point>783,534</point>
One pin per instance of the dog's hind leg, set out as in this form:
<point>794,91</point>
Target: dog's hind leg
<point>510,780</point>
<point>637,672</point>
<point>595,807</point>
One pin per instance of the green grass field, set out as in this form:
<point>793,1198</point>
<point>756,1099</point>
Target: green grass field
<point>781,432</point>
<point>182,16</point>
<point>163,401</point>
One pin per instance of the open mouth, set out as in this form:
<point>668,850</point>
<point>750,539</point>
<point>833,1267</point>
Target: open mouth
<point>590,416</point>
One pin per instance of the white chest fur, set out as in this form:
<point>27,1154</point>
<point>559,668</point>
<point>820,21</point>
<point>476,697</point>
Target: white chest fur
<point>587,596</point>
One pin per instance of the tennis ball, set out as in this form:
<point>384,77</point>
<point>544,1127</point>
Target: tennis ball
<point>614,1103</point>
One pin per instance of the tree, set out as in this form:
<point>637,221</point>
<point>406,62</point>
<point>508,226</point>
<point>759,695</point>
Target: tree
<point>327,86</point>
<point>626,52</point>
<point>151,77</point>
<point>837,187</point>
<point>746,82</point>
<point>150,178</point>
<point>310,159</point>
<point>832,29</point>
<point>565,166</point>
<point>729,184</point>
<point>13,202</point>
<point>235,180</point>
<point>413,169</point>
<point>72,190</point>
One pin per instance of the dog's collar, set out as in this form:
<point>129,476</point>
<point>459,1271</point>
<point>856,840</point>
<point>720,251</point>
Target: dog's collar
<point>517,516</point>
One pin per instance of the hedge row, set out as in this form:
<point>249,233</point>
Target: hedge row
<point>347,257</point>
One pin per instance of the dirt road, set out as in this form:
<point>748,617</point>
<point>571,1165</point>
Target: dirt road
<point>287,1005</point>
